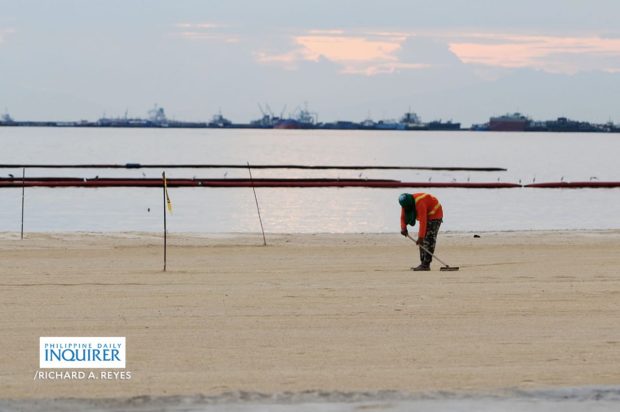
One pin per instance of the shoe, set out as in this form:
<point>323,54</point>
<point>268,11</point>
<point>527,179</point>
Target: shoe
<point>421,268</point>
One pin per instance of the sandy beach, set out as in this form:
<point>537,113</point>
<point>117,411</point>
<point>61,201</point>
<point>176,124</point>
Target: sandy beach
<point>332,313</point>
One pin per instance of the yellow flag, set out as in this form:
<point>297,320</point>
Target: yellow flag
<point>168,202</point>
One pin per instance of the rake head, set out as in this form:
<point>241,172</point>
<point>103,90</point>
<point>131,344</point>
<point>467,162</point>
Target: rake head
<point>449,268</point>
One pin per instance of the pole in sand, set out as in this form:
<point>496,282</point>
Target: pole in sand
<point>23,190</point>
<point>257,208</point>
<point>167,204</point>
<point>163,175</point>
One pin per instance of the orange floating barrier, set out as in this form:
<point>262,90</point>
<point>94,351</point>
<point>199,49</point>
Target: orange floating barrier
<point>274,182</point>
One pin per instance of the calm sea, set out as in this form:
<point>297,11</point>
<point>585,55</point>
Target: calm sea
<point>527,156</point>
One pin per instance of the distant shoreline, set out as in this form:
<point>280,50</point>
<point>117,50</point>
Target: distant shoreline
<point>199,125</point>
<point>508,123</point>
<point>251,127</point>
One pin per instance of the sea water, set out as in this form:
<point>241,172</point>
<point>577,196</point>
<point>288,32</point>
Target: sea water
<point>528,157</point>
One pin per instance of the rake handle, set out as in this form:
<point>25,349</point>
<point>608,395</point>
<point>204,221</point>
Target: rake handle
<point>428,251</point>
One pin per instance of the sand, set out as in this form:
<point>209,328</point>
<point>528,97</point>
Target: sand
<point>327,313</point>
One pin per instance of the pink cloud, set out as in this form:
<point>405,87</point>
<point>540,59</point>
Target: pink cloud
<point>515,51</point>
<point>373,52</point>
<point>356,54</point>
<point>346,48</point>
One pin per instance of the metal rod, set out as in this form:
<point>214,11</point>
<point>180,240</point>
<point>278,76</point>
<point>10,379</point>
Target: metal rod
<point>164,209</point>
<point>23,193</point>
<point>428,251</point>
<point>257,208</point>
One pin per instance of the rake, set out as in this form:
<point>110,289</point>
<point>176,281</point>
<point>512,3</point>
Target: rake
<point>445,267</point>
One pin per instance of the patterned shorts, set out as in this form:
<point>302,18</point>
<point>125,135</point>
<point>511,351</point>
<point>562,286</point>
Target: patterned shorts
<point>430,240</point>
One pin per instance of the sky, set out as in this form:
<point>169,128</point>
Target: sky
<point>461,60</point>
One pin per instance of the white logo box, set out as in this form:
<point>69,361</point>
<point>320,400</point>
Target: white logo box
<point>82,352</point>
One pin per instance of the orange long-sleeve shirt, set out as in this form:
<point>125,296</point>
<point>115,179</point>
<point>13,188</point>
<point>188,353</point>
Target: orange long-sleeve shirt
<point>427,208</point>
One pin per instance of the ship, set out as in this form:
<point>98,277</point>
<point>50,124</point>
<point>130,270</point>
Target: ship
<point>563,124</point>
<point>515,122</point>
<point>389,124</point>
<point>610,127</point>
<point>219,121</point>
<point>368,124</point>
<point>341,125</point>
<point>266,122</point>
<point>157,118</point>
<point>269,119</point>
<point>440,125</point>
<point>6,119</point>
<point>411,121</point>
<point>301,119</point>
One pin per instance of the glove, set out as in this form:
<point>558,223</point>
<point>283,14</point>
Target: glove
<point>404,232</point>
<point>419,241</point>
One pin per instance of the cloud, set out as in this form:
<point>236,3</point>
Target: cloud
<point>554,54</point>
<point>346,48</point>
<point>356,53</point>
<point>373,52</point>
<point>429,51</point>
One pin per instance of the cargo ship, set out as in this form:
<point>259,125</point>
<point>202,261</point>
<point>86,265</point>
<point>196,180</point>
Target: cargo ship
<point>563,124</point>
<point>389,124</point>
<point>269,119</point>
<point>6,119</point>
<point>156,118</point>
<point>411,121</point>
<point>439,125</point>
<point>219,121</point>
<point>515,122</point>
<point>301,119</point>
